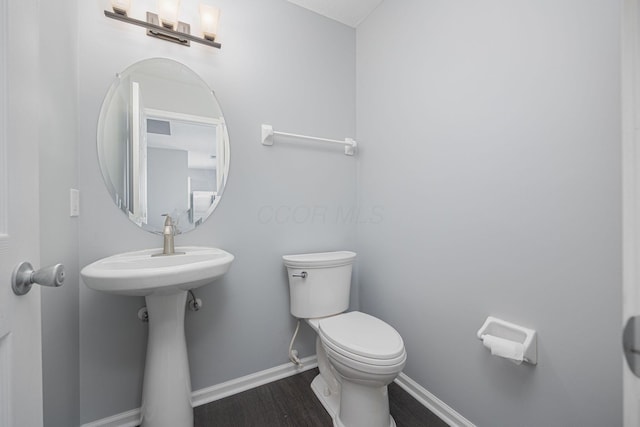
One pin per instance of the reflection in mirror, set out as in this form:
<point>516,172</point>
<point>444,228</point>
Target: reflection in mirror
<point>163,145</point>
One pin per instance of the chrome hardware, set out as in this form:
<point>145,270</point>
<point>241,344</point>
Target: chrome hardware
<point>168,231</point>
<point>168,34</point>
<point>304,275</point>
<point>194,303</point>
<point>630,339</point>
<point>24,276</point>
<point>143,314</point>
<point>180,35</point>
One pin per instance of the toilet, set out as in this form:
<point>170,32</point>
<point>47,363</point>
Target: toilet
<point>358,354</point>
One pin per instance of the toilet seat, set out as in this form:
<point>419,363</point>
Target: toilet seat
<point>362,339</point>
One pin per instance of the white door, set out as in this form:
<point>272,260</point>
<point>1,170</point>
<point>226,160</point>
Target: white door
<point>631,208</point>
<point>20,328</point>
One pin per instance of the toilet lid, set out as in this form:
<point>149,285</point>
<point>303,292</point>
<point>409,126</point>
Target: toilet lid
<point>319,260</point>
<point>362,334</point>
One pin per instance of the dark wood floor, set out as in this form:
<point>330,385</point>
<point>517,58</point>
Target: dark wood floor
<point>290,402</point>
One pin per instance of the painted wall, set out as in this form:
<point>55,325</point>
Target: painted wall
<point>280,65</point>
<point>488,180</point>
<point>58,231</point>
<point>490,142</point>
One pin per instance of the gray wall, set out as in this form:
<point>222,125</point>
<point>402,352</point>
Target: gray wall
<point>281,65</point>
<point>488,179</point>
<point>490,135</point>
<point>58,231</point>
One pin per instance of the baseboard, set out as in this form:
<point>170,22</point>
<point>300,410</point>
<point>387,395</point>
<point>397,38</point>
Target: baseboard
<point>238,385</point>
<point>435,405</point>
<point>132,418</point>
<point>125,419</point>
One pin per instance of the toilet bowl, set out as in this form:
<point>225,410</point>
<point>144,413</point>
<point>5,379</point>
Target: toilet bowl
<point>358,354</point>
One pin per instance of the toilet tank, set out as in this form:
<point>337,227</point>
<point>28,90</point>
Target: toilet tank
<point>324,290</point>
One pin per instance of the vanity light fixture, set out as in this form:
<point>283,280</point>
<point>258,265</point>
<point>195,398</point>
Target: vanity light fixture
<point>168,12</point>
<point>166,25</point>
<point>121,6</point>
<point>209,17</point>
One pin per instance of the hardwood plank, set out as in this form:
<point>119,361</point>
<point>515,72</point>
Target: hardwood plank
<point>290,402</point>
<point>408,412</point>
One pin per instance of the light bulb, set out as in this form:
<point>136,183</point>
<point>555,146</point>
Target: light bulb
<point>168,12</point>
<point>121,6</point>
<point>209,17</point>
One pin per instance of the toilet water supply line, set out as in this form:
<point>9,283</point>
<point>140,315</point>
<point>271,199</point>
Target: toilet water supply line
<point>293,354</point>
<point>195,304</point>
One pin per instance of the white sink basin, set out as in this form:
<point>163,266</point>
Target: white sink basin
<point>164,282</point>
<point>140,274</point>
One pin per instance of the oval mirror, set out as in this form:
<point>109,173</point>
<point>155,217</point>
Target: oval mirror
<point>163,145</point>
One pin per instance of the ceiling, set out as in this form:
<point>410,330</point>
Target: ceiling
<point>349,12</point>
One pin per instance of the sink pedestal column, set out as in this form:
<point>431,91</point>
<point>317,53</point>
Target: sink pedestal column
<point>166,391</point>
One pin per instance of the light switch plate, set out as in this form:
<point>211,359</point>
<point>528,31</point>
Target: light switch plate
<point>74,202</point>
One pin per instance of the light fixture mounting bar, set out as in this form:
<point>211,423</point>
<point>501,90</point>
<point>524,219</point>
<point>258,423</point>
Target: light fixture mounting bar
<point>181,28</point>
<point>165,33</point>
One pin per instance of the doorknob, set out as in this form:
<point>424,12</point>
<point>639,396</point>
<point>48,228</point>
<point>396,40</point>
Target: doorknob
<point>24,276</point>
<point>631,344</point>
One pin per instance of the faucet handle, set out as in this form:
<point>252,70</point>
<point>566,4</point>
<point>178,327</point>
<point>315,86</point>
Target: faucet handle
<point>168,220</point>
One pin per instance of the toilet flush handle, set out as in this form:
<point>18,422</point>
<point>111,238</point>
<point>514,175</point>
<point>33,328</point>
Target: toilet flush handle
<point>303,275</point>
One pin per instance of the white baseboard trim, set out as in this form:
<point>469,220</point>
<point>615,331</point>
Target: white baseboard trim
<point>132,418</point>
<point>435,405</point>
<point>238,385</point>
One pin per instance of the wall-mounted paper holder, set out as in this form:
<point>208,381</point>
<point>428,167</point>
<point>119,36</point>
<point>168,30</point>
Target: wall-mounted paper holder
<point>508,340</point>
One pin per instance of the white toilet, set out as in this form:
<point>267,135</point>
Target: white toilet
<point>358,354</point>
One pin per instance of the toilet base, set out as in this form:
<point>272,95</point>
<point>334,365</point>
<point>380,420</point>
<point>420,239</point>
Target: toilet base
<point>331,401</point>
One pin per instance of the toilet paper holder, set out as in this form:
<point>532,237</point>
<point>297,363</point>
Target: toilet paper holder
<point>514,334</point>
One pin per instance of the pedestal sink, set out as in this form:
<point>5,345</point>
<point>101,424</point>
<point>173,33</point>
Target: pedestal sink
<point>164,282</point>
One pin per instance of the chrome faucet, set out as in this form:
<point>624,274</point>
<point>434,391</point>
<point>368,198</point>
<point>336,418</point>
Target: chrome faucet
<point>168,232</point>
